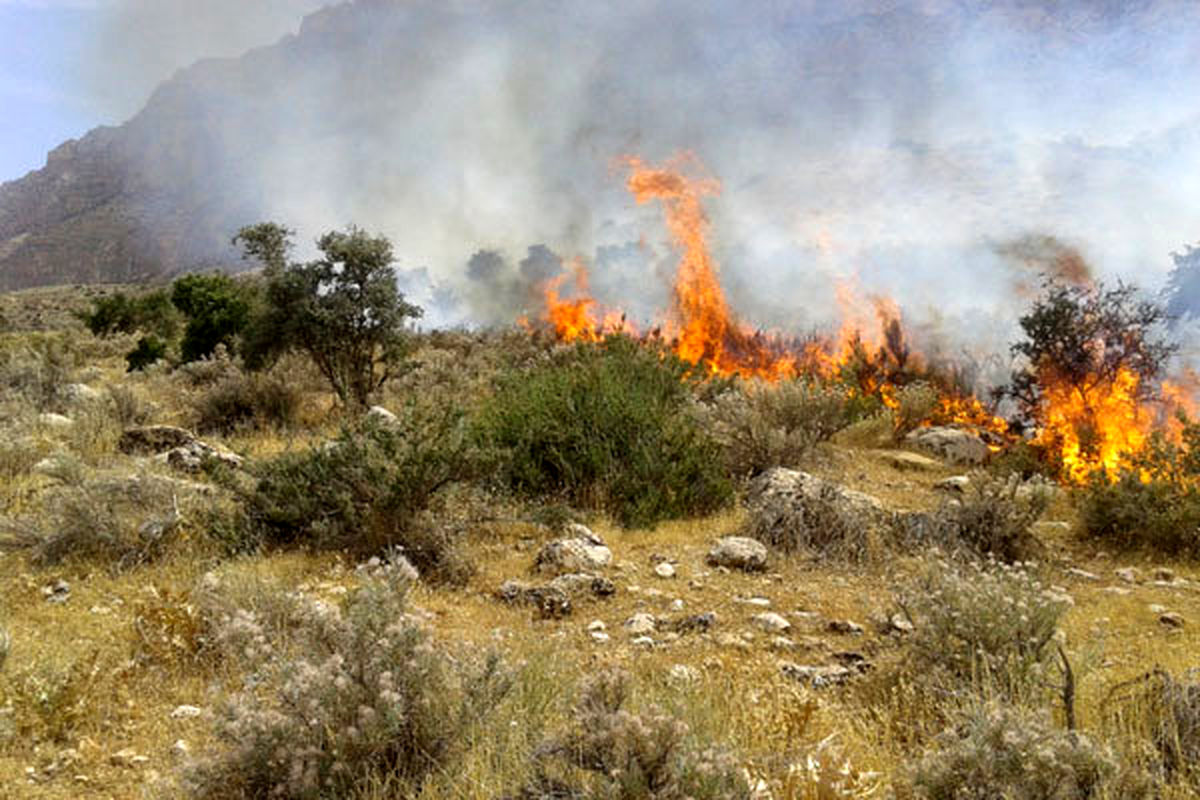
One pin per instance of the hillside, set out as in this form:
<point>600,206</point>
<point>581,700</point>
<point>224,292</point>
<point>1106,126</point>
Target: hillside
<point>130,631</point>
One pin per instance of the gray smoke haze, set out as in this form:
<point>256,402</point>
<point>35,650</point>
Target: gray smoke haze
<point>140,43</point>
<point>920,149</point>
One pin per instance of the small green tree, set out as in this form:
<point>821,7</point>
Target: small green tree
<point>151,314</point>
<point>217,309</point>
<point>344,309</point>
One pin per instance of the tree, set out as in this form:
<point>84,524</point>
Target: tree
<point>1183,284</point>
<point>344,309</point>
<point>1083,337</point>
<point>217,310</point>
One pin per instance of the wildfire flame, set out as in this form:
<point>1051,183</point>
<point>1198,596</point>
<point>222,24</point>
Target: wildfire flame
<point>1096,430</point>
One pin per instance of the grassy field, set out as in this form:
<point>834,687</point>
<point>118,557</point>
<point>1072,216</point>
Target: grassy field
<point>95,689</point>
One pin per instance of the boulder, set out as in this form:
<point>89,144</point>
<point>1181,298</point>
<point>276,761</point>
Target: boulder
<point>953,444</point>
<point>904,460</point>
<point>793,510</point>
<point>148,440</point>
<point>739,552</point>
<point>378,415</point>
<point>82,393</point>
<point>583,552</point>
<point>193,456</point>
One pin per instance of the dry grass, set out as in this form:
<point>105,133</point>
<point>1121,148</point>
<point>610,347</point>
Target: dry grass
<point>103,671</point>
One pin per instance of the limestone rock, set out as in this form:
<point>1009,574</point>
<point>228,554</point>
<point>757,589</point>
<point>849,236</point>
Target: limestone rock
<point>193,456</point>
<point>904,460</point>
<point>955,483</point>
<point>771,622</point>
<point>153,439</point>
<point>953,444</point>
<point>640,624</point>
<point>378,415</point>
<point>56,421</point>
<point>583,552</point>
<point>792,509</point>
<point>664,570</point>
<point>82,393</point>
<point>816,676</point>
<point>1127,574</point>
<point>739,552</point>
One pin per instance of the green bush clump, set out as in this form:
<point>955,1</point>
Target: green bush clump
<point>366,491</point>
<point>760,426</point>
<point>611,753</point>
<point>217,309</point>
<point>148,313</point>
<point>987,624</point>
<point>149,349</point>
<point>363,695</point>
<point>604,426</point>
<point>1153,504</point>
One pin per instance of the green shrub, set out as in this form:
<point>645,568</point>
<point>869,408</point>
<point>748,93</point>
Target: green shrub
<point>998,752</point>
<point>990,625</point>
<point>242,400</point>
<point>760,426</point>
<point>1155,503</point>
<point>150,313</point>
<point>149,350</point>
<point>366,490</point>
<point>611,753</point>
<point>217,309</point>
<point>363,696</point>
<point>605,427</point>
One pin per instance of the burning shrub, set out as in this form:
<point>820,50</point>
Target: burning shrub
<point>1092,357</point>
<point>760,426</point>
<point>1003,752</point>
<point>614,753</point>
<point>1153,503</point>
<point>366,490</point>
<point>987,623</point>
<point>915,403</point>
<point>605,426</point>
<point>368,696</point>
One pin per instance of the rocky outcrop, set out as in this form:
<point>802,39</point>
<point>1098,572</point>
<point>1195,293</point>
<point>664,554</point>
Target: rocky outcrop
<point>793,510</point>
<point>952,444</point>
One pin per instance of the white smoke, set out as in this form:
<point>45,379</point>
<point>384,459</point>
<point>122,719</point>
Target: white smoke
<point>894,142</point>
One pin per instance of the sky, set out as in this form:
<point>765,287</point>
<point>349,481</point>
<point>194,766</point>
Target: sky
<point>67,66</point>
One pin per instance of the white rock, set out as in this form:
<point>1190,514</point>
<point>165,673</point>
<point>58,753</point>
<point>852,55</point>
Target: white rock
<point>683,674</point>
<point>1127,574</point>
<point>599,636</point>
<point>952,444</point>
<point>955,483</point>
<point>56,421</point>
<point>640,624</point>
<point>739,552</point>
<point>643,641</point>
<point>597,625</point>
<point>82,393</point>
<point>379,415</point>
<point>757,602</point>
<point>677,605</point>
<point>1083,574</point>
<point>771,622</point>
<point>664,570</point>
<point>180,749</point>
<point>186,712</point>
<point>1155,608</point>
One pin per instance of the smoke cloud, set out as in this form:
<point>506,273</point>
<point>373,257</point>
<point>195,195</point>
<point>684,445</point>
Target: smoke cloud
<point>888,144</point>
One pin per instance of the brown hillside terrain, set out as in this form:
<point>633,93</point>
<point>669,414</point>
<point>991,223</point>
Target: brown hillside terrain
<point>113,680</point>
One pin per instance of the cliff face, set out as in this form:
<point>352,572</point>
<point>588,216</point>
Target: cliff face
<point>164,192</point>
